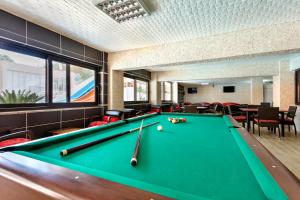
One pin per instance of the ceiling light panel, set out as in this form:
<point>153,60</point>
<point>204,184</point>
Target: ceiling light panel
<point>122,10</point>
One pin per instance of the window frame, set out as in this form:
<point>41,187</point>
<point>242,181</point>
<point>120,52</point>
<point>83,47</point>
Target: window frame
<point>163,88</point>
<point>68,63</point>
<point>297,85</point>
<point>146,92</point>
<point>49,57</point>
<point>135,78</point>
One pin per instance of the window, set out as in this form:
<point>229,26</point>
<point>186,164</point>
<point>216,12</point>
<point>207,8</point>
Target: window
<point>297,87</point>
<point>128,89</point>
<point>141,90</point>
<point>29,77</point>
<point>22,78</point>
<point>72,83</point>
<point>59,82</point>
<point>135,90</point>
<point>82,84</point>
<point>166,91</point>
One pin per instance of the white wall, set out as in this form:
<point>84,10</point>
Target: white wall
<point>215,94</point>
<point>268,92</point>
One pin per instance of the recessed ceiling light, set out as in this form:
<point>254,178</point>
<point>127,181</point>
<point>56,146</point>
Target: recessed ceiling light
<point>128,9</point>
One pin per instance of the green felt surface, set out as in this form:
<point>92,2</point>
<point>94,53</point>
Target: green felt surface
<point>201,159</point>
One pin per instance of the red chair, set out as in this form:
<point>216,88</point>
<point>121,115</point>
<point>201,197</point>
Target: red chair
<point>176,108</point>
<point>187,103</point>
<point>289,118</point>
<point>230,104</point>
<point>236,114</point>
<point>267,117</point>
<point>154,110</point>
<point>16,138</point>
<point>109,117</point>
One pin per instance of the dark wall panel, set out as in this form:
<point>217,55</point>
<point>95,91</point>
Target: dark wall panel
<point>72,114</point>
<point>103,89</point>
<point>74,124</point>
<point>93,111</point>
<point>143,74</point>
<point>43,130</point>
<point>43,46</point>
<point>104,68</point>
<point>43,38</point>
<point>12,27</point>
<point>105,57</point>
<point>38,118</point>
<point>72,48</point>
<point>103,99</point>
<point>13,121</point>
<point>103,79</point>
<point>93,53</point>
<point>98,62</point>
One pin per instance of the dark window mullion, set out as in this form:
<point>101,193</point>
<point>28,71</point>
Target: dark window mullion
<point>49,81</point>
<point>68,79</point>
<point>135,88</point>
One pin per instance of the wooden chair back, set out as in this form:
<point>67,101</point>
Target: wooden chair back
<point>190,109</point>
<point>268,113</point>
<point>292,112</point>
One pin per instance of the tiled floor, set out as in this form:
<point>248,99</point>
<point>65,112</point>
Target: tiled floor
<point>287,149</point>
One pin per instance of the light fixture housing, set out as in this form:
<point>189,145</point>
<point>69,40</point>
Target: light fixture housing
<point>122,10</point>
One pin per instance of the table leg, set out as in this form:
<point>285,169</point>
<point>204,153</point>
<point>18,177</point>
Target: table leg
<point>248,121</point>
<point>282,124</point>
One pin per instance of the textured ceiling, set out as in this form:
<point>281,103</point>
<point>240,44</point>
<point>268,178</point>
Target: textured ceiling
<point>170,21</point>
<point>242,61</point>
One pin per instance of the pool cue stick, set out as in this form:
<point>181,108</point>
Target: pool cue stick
<point>89,144</point>
<point>133,160</point>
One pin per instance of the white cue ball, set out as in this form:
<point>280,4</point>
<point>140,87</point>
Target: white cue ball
<point>159,128</point>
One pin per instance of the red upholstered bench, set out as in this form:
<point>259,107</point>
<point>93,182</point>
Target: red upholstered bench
<point>13,141</point>
<point>15,138</point>
<point>266,121</point>
<point>105,120</point>
<point>109,117</point>
<point>154,110</point>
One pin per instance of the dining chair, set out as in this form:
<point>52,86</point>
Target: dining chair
<point>267,117</point>
<point>289,118</point>
<point>190,109</point>
<point>236,114</point>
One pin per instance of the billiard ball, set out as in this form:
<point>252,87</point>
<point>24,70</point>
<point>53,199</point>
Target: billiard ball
<point>174,121</point>
<point>170,119</point>
<point>183,119</point>
<point>159,128</point>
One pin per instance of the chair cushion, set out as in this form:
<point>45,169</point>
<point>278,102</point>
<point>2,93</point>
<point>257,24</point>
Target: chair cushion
<point>13,141</point>
<point>230,104</point>
<point>105,118</point>
<point>153,110</point>
<point>239,118</point>
<point>113,119</point>
<point>97,123</point>
<point>266,121</point>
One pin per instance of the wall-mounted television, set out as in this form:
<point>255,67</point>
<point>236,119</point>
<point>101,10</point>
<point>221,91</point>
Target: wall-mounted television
<point>228,89</point>
<point>192,90</point>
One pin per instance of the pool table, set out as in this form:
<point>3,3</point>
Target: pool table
<point>207,157</point>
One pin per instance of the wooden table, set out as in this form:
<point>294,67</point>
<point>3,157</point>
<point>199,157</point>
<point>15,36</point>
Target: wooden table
<point>199,108</point>
<point>250,111</point>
